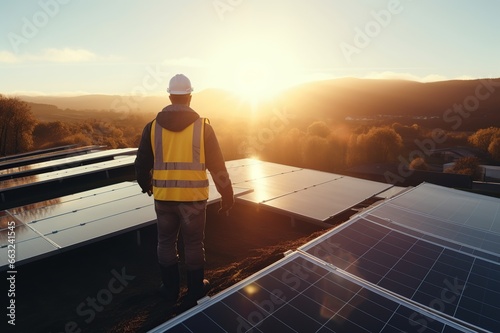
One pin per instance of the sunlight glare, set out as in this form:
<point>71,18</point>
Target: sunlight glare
<point>256,71</point>
<point>254,81</point>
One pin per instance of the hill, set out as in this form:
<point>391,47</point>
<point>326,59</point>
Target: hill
<point>363,97</point>
<point>479,101</point>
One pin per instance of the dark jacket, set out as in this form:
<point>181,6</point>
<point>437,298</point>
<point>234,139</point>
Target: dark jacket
<point>177,117</point>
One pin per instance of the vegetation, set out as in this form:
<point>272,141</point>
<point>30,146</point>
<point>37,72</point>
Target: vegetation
<point>20,131</point>
<point>332,145</point>
<point>487,139</point>
<point>16,126</point>
<point>466,166</point>
<point>419,164</point>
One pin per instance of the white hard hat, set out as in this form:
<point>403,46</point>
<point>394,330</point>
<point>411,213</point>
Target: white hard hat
<point>179,85</point>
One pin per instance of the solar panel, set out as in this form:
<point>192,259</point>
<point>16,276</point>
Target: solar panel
<point>36,152</point>
<point>63,163</point>
<point>328,199</point>
<point>271,187</point>
<point>27,250</point>
<point>242,162</point>
<point>458,207</point>
<point>311,195</point>
<point>44,156</point>
<point>449,281</point>
<point>77,203</point>
<point>66,173</point>
<point>247,170</point>
<point>27,241</point>
<point>468,219</point>
<point>300,294</point>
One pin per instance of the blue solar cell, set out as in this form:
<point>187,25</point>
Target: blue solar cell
<point>299,294</point>
<point>427,273</point>
<point>203,323</point>
<point>407,320</point>
<point>410,268</point>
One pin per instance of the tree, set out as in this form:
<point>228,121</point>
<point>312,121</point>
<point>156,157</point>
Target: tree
<point>337,147</point>
<point>16,126</point>
<point>51,133</point>
<point>408,132</point>
<point>483,137</point>
<point>494,149</point>
<point>318,128</point>
<point>418,163</point>
<point>316,154</point>
<point>292,151</point>
<point>379,145</point>
<point>466,166</point>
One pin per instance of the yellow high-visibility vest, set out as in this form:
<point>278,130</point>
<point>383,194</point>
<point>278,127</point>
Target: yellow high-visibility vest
<point>179,172</point>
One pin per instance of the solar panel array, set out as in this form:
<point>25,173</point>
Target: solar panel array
<point>56,225</point>
<point>63,172</point>
<point>45,228</point>
<point>427,259</point>
<point>375,273</point>
<point>48,227</point>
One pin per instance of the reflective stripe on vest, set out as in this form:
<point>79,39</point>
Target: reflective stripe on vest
<point>180,175</point>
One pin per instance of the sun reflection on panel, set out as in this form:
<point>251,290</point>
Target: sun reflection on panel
<point>259,183</point>
<point>251,289</point>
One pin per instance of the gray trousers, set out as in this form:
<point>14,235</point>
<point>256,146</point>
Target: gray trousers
<point>188,218</point>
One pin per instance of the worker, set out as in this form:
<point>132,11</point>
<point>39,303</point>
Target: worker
<point>175,150</point>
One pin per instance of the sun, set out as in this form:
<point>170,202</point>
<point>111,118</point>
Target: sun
<point>256,81</point>
<point>255,72</point>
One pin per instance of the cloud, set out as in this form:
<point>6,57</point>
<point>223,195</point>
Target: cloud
<point>53,55</point>
<point>8,57</point>
<point>66,55</point>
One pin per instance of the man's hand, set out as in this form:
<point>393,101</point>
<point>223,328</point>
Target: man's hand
<point>149,192</point>
<point>225,205</point>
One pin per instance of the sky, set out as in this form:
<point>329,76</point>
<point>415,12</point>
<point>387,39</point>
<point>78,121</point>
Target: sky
<point>253,47</point>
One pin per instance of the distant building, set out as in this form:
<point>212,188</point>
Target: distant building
<point>489,173</point>
<point>447,155</point>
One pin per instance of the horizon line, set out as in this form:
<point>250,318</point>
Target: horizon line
<point>233,91</point>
